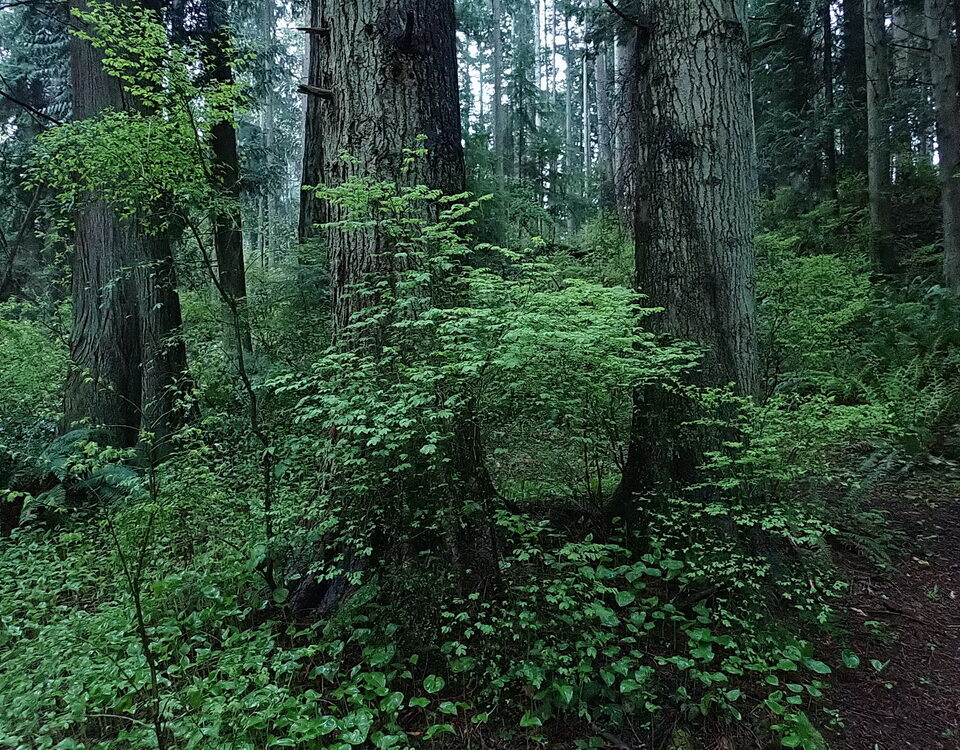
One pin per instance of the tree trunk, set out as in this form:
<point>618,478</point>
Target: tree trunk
<point>312,174</point>
<point>693,220</point>
<point>127,357</point>
<point>391,68</point>
<point>163,376</point>
<point>267,125</point>
<point>228,229</point>
<point>943,68</point>
<point>878,136</point>
<point>498,131</point>
<point>854,72</point>
<point>604,86</point>
<point>585,140</point>
<point>830,135</point>
<point>626,56</point>
<point>569,147</point>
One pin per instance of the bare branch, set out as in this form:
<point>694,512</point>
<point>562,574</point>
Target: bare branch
<point>305,88</point>
<point>629,19</point>
<point>31,110</point>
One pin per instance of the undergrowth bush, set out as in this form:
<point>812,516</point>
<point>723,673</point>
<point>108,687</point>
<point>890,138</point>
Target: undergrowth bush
<point>163,613</point>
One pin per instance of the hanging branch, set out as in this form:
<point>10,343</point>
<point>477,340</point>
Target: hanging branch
<point>319,30</point>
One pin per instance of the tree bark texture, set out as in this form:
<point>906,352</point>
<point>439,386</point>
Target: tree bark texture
<point>127,357</point>
<point>878,136</point>
<point>391,67</point>
<point>694,212</point>
<point>941,25</point>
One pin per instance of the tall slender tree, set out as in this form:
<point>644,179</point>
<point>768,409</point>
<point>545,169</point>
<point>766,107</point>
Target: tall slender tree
<point>225,168</point>
<point>853,75</point>
<point>498,123</point>
<point>829,114</point>
<point>604,88</point>
<point>941,30</point>
<point>878,136</point>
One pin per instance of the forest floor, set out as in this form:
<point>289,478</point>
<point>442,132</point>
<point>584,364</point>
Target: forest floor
<point>904,623</point>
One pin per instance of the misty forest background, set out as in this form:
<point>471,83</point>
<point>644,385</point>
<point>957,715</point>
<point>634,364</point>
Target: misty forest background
<point>489,374</point>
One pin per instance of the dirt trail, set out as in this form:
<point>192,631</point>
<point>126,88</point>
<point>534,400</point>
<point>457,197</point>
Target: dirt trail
<point>908,620</point>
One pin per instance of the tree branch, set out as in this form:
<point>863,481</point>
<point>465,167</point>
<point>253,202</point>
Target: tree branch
<point>319,30</point>
<point>636,22</point>
<point>305,88</point>
<point>31,110</point>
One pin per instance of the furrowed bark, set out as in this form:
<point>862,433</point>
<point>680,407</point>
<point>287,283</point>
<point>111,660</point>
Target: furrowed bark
<point>693,216</point>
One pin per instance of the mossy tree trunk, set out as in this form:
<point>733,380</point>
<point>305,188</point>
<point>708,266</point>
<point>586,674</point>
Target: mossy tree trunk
<point>127,357</point>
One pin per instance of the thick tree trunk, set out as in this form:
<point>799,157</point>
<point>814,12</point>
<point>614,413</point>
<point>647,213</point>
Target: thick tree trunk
<point>693,220</point>
<point>854,73</point>
<point>127,357</point>
<point>391,68</point>
<point>878,136</point>
<point>941,25</point>
<point>163,368</point>
<point>103,383</point>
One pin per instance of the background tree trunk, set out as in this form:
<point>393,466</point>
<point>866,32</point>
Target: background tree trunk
<point>313,161</point>
<point>604,86</point>
<point>693,221</point>
<point>498,131</point>
<point>878,136</point>
<point>228,229</point>
<point>943,69</point>
<point>854,73</point>
<point>829,135</point>
<point>626,57</point>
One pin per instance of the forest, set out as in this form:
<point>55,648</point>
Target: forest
<point>501,374</point>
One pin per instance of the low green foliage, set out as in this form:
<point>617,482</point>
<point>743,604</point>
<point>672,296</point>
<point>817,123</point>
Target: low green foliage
<point>151,605</point>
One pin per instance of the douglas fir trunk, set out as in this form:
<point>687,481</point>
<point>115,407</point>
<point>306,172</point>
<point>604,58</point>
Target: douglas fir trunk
<point>383,73</point>
<point>878,136</point>
<point>693,216</point>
